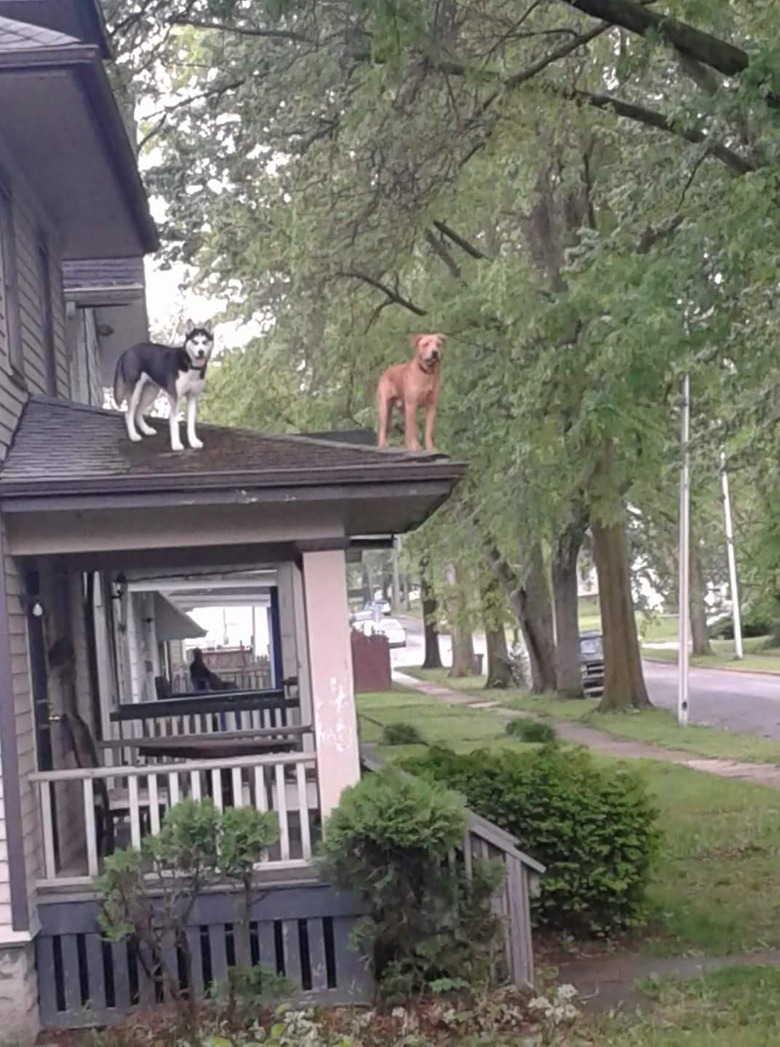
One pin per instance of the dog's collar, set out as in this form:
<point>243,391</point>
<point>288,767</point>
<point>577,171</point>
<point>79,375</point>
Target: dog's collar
<point>427,370</point>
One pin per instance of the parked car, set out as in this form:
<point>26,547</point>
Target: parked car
<point>592,662</point>
<point>367,623</point>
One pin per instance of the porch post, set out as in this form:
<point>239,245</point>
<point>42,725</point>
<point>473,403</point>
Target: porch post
<point>330,662</point>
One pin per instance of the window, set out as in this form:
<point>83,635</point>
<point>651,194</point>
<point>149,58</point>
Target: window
<point>11,312</point>
<point>47,319</point>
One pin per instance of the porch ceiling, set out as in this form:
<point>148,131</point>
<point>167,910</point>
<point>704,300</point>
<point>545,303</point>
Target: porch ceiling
<point>60,120</point>
<point>72,483</point>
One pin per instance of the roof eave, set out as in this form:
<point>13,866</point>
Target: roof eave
<point>214,489</point>
<point>86,60</point>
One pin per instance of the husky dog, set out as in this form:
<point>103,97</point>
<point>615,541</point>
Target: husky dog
<point>145,369</point>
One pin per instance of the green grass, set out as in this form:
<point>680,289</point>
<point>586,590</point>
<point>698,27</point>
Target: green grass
<point>735,1007</point>
<point>715,888</point>
<point>656,629</point>
<point>757,656</point>
<point>653,726</point>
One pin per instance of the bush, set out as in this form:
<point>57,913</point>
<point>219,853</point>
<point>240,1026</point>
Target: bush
<point>532,731</point>
<point>593,828</point>
<point>388,841</point>
<point>401,734</point>
<point>753,625</point>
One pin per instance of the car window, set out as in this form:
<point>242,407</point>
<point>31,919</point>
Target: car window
<point>591,647</point>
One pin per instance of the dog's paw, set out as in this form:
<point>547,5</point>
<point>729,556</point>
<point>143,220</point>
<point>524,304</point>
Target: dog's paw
<point>196,444</point>
<point>135,437</point>
<point>179,446</point>
<point>147,430</point>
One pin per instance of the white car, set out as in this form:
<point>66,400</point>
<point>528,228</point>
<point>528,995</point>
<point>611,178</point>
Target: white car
<point>384,626</point>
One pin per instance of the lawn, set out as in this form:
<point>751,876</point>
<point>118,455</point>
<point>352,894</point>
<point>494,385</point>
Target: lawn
<point>654,726</point>
<point>716,888</point>
<point>736,1007</point>
<point>757,656</point>
<point>655,629</point>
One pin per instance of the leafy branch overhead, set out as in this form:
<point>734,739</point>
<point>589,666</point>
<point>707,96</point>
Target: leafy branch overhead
<point>583,195</point>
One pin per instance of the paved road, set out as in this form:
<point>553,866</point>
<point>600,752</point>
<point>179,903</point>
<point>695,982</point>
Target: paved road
<point>746,702</point>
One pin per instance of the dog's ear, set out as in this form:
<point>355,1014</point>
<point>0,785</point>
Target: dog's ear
<point>189,327</point>
<point>415,339</point>
<point>208,327</point>
<point>443,337</point>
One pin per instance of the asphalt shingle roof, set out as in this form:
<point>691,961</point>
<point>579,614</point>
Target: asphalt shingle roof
<point>58,442</point>
<point>21,36</point>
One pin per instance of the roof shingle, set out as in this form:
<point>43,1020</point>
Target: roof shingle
<point>20,36</point>
<point>59,443</point>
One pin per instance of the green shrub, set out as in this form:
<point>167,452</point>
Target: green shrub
<point>593,828</point>
<point>401,734</point>
<point>532,731</point>
<point>388,841</point>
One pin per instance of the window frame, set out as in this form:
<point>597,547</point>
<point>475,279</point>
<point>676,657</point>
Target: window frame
<point>9,277</point>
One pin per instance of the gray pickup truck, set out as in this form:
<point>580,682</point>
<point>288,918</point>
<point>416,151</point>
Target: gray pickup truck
<point>592,662</point>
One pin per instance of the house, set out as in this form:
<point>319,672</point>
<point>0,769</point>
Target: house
<point>105,546</point>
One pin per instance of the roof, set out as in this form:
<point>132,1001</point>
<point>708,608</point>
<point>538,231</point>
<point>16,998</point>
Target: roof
<point>20,36</point>
<point>64,127</point>
<point>82,19</point>
<point>103,281</point>
<point>62,448</point>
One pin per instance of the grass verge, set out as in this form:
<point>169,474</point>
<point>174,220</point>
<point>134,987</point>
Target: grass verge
<point>653,726</point>
<point>758,657</point>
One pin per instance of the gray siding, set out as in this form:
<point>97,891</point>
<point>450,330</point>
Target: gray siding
<point>29,231</point>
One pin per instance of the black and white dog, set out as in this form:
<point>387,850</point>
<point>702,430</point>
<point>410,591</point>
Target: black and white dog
<point>147,368</point>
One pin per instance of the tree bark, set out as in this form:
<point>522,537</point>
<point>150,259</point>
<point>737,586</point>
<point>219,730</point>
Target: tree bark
<point>499,674</point>
<point>464,662</point>
<point>700,634</point>
<point>430,609</point>
<point>687,39</point>
<point>542,671</point>
<point>537,625</point>
<point>565,601</point>
<point>624,683</point>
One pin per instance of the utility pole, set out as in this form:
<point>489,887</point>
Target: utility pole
<point>684,564</point>
<point>736,614</point>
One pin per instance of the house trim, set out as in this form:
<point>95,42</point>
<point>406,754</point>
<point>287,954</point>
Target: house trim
<point>17,877</point>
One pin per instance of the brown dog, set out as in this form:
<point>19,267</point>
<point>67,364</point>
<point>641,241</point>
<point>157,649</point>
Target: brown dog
<point>411,386</point>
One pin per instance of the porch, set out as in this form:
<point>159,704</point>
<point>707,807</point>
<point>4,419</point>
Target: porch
<point>108,550</point>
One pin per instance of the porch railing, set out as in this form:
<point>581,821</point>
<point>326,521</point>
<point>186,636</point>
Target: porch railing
<point>86,812</point>
<point>206,713</point>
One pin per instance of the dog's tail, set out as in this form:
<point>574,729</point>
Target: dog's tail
<point>122,383</point>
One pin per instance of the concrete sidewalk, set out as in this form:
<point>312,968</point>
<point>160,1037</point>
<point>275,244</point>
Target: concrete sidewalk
<point>600,741</point>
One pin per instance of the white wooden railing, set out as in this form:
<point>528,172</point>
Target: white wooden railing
<point>76,834</point>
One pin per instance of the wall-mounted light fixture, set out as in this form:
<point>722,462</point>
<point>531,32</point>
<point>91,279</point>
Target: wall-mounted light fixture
<point>32,605</point>
<point>118,587</point>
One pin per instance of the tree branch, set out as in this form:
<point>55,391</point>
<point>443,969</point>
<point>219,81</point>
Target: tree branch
<point>691,42</point>
<point>442,253</point>
<point>268,34</point>
<point>457,239</point>
<point>394,296</point>
<point>737,164</point>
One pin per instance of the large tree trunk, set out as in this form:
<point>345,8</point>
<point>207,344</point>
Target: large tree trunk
<point>624,683</point>
<point>567,624</point>
<point>430,610</point>
<point>538,645</point>
<point>537,625</point>
<point>700,634</point>
<point>499,674</point>
<point>464,662</point>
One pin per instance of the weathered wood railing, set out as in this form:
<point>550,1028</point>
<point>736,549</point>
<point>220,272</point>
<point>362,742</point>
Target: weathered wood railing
<point>207,713</point>
<point>484,840</point>
<point>84,812</point>
<point>255,677</point>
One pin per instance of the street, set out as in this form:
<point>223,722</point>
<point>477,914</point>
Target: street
<point>739,701</point>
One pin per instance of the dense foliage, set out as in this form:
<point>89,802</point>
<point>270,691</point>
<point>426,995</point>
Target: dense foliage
<point>427,925</point>
<point>592,827</point>
<point>583,195</point>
